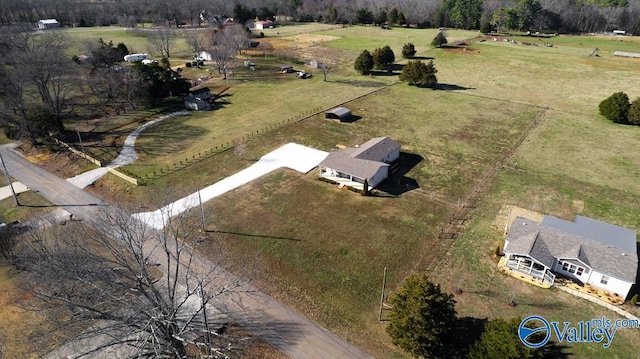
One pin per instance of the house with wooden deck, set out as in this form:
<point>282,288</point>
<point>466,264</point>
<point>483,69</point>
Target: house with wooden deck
<point>587,251</point>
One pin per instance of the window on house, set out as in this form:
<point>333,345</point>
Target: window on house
<point>572,268</point>
<point>580,271</point>
<point>604,280</point>
<point>565,266</point>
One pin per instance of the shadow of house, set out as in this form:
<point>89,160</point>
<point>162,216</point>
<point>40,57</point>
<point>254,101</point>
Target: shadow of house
<point>450,87</point>
<point>398,183</point>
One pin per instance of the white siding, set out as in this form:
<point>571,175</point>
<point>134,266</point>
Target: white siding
<point>380,176</point>
<point>584,277</point>
<point>614,285</point>
<point>392,156</point>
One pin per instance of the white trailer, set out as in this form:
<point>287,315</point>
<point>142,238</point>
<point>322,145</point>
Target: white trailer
<point>135,57</point>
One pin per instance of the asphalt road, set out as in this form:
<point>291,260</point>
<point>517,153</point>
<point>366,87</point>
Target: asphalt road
<point>282,327</point>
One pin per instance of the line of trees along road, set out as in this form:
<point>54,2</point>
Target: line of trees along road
<point>550,15</point>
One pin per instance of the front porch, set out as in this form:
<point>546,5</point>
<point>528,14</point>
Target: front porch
<point>525,269</point>
<point>342,179</point>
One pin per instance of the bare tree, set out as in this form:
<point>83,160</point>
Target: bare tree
<point>326,60</point>
<point>124,285</point>
<point>161,41</point>
<point>239,148</point>
<point>226,43</point>
<point>195,40</point>
<point>36,65</point>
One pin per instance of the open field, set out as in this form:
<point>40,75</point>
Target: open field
<point>135,42</point>
<point>323,249</point>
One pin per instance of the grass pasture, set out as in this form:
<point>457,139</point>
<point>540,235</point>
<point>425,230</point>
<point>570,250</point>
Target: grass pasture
<point>322,249</point>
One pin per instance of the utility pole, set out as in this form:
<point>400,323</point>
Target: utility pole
<point>80,139</point>
<point>6,173</point>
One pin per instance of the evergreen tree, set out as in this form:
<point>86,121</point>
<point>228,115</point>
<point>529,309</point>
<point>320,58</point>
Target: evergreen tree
<point>500,341</point>
<point>633,117</point>
<point>392,18</point>
<point>401,19</point>
<point>364,63</point>
<point>439,40</point>
<point>382,17</point>
<point>383,57</point>
<point>417,73</point>
<point>408,51</point>
<point>616,107</point>
<point>422,319</point>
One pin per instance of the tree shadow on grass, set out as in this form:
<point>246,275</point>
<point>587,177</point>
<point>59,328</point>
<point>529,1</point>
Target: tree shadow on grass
<point>360,83</point>
<point>467,331</point>
<point>253,235</point>
<point>450,87</point>
<point>421,58</point>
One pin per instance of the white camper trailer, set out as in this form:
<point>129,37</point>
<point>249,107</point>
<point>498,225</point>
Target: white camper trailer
<point>135,57</point>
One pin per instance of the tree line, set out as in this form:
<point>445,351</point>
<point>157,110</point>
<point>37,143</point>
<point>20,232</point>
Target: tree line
<point>538,15</point>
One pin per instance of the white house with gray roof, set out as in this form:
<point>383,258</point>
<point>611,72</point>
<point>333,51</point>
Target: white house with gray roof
<point>368,162</point>
<point>587,251</point>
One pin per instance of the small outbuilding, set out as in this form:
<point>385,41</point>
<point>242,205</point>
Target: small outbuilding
<point>342,114</point>
<point>193,103</point>
<point>202,93</point>
<point>48,24</point>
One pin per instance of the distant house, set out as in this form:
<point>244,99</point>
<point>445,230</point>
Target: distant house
<point>204,56</point>
<point>263,24</point>
<point>48,24</point>
<point>362,167</point>
<point>587,251</point>
<point>316,64</point>
<point>342,114</point>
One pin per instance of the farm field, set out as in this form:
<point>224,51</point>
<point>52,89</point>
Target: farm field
<point>322,249</point>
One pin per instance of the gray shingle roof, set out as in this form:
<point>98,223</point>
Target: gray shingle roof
<point>603,232</point>
<point>343,162</point>
<point>543,243</point>
<point>376,149</point>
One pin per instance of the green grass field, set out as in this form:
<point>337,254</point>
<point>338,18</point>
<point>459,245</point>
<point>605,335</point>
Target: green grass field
<point>322,249</point>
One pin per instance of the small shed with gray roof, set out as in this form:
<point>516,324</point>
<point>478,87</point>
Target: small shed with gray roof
<point>342,114</point>
<point>587,251</point>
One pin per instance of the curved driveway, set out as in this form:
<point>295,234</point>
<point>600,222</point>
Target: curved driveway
<point>279,325</point>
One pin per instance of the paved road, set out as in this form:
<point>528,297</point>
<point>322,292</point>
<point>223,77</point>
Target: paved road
<point>279,325</point>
